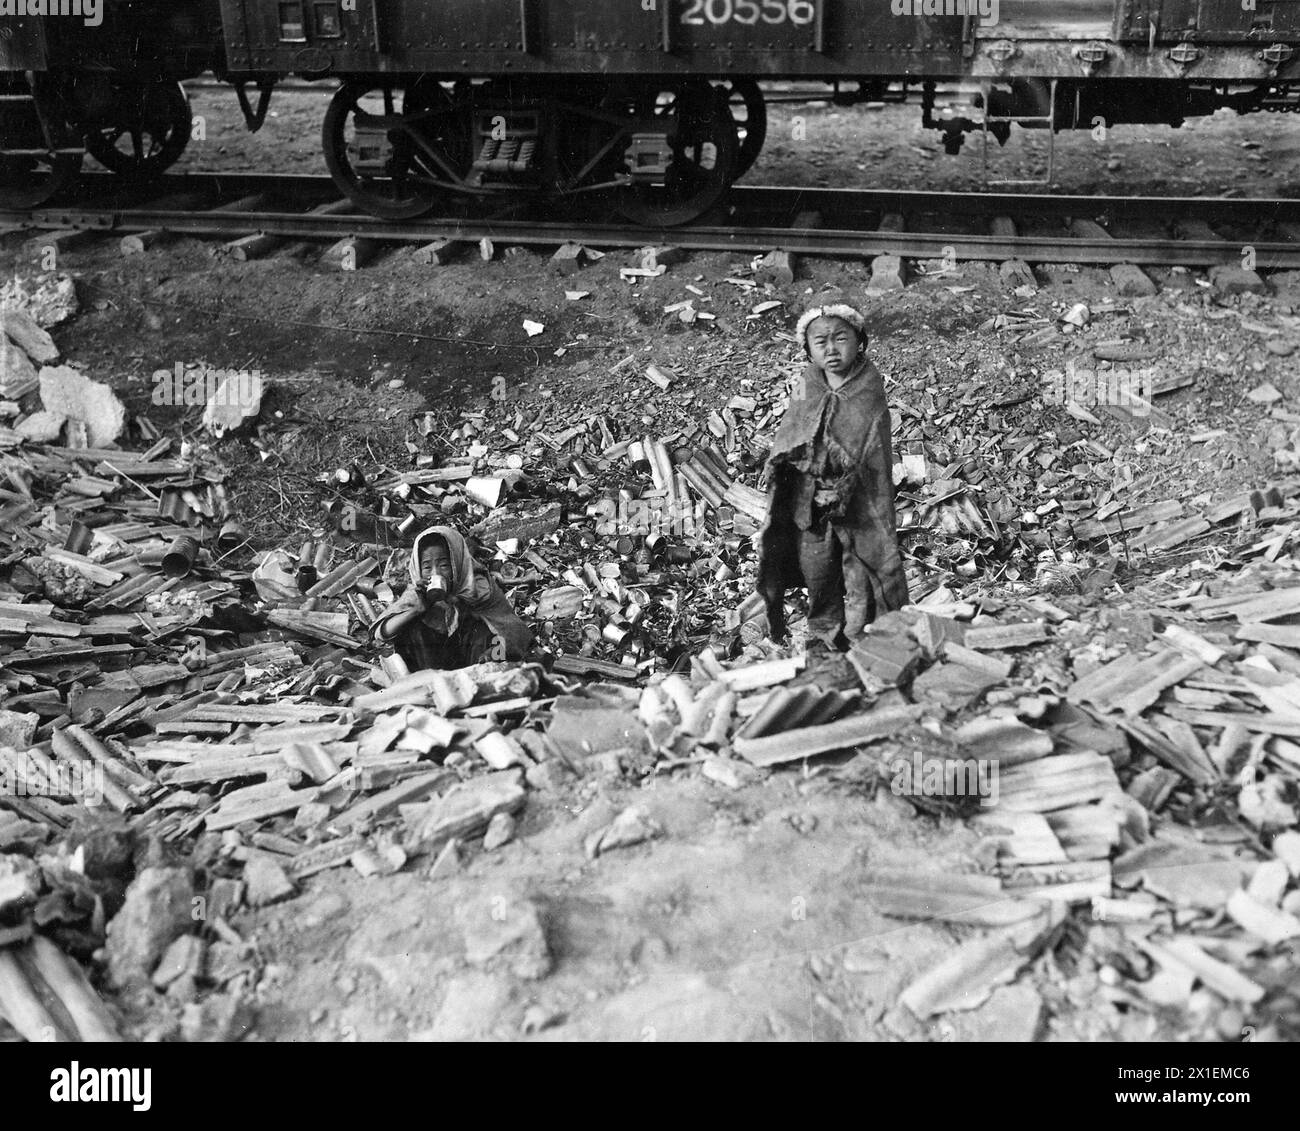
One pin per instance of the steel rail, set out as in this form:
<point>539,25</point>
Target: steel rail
<point>841,243</point>
<point>790,198</point>
<point>755,231</point>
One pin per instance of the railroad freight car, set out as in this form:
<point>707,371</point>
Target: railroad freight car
<point>99,77</point>
<point>658,103</point>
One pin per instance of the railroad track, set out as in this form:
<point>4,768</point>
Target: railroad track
<point>839,223</point>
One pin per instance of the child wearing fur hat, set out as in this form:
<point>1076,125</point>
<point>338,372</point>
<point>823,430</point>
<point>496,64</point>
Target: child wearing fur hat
<point>830,521</point>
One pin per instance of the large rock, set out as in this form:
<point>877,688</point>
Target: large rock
<point>1131,281</point>
<point>157,910</point>
<point>17,374</point>
<point>21,329</point>
<point>47,299</point>
<point>72,394</point>
<point>1229,279</point>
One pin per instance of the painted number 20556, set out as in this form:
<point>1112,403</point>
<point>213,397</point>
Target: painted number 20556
<point>749,12</point>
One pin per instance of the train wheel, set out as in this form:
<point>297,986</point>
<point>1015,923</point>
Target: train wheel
<point>749,111</point>
<point>145,134</point>
<point>701,140</point>
<point>396,165</point>
<point>29,179</point>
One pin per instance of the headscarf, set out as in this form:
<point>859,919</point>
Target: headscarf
<point>462,561</point>
<point>445,615</point>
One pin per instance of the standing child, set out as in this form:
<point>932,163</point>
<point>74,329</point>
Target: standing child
<point>830,521</point>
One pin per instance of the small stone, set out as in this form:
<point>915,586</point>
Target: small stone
<point>18,730</point>
<point>267,881</point>
<point>545,776</point>
<point>537,1018</point>
<point>183,990</point>
<point>650,951</point>
<point>1279,347</point>
<point>41,427</point>
<point>1286,847</point>
<point>631,826</point>
<point>217,1019</point>
<point>1264,804</point>
<point>20,881</point>
<point>311,816</point>
<point>328,906</point>
<point>1012,1013</point>
<point>184,956</point>
<point>1229,1023</point>
<point>506,930</point>
<point>472,1007</point>
<point>1268,883</point>
<point>500,831</point>
<point>1267,393</point>
<point>447,862</point>
<point>224,963</point>
<point>224,898</point>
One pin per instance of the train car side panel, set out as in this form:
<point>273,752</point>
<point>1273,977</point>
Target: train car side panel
<point>837,38</point>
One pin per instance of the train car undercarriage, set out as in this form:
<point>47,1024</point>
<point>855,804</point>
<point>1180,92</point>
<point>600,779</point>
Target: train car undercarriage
<point>665,151</point>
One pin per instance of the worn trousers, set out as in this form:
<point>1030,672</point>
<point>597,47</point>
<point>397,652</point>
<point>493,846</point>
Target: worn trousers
<point>839,586</point>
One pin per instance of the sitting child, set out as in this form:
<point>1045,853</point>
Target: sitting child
<point>453,613</point>
<point>830,521</point>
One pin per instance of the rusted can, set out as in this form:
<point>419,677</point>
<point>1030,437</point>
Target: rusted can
<point>307,575</point>
<point>179,559</point>
<point>231,536</point>
<point>80,537</point>
<point>615,633</point>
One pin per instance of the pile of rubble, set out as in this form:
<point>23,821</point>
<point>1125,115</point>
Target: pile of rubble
<point>1135,758</point>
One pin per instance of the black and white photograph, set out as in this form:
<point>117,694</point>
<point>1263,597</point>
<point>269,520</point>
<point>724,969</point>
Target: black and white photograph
<point>650,522</point>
